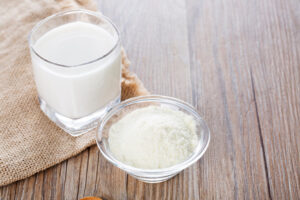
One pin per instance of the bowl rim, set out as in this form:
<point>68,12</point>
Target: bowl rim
<point>153,172</point>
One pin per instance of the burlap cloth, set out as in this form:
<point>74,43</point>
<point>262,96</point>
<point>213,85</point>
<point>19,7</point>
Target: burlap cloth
<point>29,141</point>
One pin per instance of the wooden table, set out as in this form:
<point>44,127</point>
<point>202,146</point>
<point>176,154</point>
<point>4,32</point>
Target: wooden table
<point>238,63</point>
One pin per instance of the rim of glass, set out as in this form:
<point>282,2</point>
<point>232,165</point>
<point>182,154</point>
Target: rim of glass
<point>155,172</point>
<point>88,12</point>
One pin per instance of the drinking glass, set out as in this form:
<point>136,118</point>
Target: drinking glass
<point>76,96</point>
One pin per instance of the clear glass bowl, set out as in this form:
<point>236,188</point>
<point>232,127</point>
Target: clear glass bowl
<point>151,175</point>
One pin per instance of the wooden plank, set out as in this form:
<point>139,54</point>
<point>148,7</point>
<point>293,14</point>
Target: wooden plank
<point>83,173</point>
<point>28,188</point>
<point>220,54</point>
<point>44,185</point>
<point>111,181</point>
<point>72,181</point>
<point>91,173</point>
<point>38,186</point>
<point>276,82</point>
<point>154,34</point>
<point>60,180</point>
<point>49,183</point>
<point>8,192</point>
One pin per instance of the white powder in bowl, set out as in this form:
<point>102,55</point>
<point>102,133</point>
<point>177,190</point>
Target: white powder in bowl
<point>153,137</point>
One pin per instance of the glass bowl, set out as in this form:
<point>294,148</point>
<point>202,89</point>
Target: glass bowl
<point>151,175</point>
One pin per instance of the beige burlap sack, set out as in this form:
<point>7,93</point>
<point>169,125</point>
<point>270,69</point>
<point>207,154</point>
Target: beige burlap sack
<point>29,141</point>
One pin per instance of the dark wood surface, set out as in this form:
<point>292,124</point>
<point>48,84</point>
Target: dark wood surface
<point>238,63</point>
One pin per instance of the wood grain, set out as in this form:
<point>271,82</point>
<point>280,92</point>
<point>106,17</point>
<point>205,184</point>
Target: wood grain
<point>238,63</point>
<point>276,79</point>
<point>223,94</point>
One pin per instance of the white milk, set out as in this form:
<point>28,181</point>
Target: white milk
<point>77,91</point>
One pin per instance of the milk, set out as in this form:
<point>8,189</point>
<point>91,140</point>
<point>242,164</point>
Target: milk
<point>74,90</point>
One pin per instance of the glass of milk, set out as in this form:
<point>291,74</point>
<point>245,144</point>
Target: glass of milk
<point>76,59</point>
